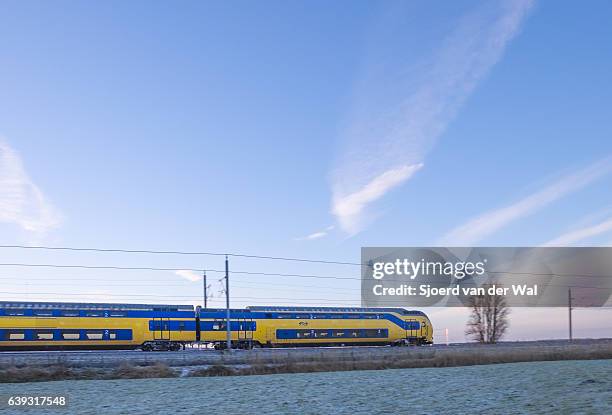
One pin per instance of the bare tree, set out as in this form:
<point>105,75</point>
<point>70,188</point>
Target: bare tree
<point>489,317</point>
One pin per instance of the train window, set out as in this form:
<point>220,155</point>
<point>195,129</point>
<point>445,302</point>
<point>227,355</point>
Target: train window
<point>181,325</point>
<point>303,316</point>
<point>112,335</point>
<point>94,314</point>
<point>71,335</point>
<point>322,333</point>
<point>268,315</point>
<point>355,333</point>
<point>369,316</point>
<point>94,334</point>
<point>70,313</point>
<point>43,313</point>
<point>118,314</point>
<point>219,325</point>
<point>15,335</point>
<point>338,333</point>
<point>43,335</point>
<point>283,316</point>
<point>14,312</point>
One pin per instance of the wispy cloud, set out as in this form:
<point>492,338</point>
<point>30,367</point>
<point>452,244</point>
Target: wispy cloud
<point>581,234</point>
<point>21,200</point>
<point>189,275</point>
<point>484,225</point>
<point>401,111</point>
<point>316,235</point>
<point>349,208</point>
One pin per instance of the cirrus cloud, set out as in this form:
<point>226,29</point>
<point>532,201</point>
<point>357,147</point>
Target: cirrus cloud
<point>402,108</point>
<point>22,202</point>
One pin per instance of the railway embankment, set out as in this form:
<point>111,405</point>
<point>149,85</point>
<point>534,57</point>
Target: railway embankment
<point>58,365</point>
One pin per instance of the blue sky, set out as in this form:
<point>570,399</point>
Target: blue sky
<point>297,129</point>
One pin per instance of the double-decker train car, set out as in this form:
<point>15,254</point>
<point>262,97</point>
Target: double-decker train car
<point>316,326</point>
<point>36,325</point>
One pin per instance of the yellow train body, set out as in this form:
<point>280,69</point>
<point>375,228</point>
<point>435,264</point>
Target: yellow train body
<point>302,326</point>
<point>84,326</point>
<point>90,326</point>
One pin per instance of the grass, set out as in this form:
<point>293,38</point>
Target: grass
<point>61,372</point>
<point>321,363</point>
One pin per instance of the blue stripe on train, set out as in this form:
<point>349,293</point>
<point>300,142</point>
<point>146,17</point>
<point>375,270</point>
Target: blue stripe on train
<point>332,334</point>
<point>173,325</point>
<point>31,334</point>
<point>96,313</point>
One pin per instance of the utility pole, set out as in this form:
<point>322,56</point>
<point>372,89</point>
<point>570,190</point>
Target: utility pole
<point>227,305</point>
<point>205,293</point>
<point>569,307</point>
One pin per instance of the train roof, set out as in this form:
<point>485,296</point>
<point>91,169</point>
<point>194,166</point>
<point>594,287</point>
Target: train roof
<point>94,306</point>
<point>398,310</point>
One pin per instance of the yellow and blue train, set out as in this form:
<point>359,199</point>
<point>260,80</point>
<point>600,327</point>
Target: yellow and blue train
<point>41,325</point>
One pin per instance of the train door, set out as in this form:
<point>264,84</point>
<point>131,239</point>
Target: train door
<point>270,336</point>
<point>161,328</point>
<point>411,329</point>
<point>424,330</point>
<point>245,331</point>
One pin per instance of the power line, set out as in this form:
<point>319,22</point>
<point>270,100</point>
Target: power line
<point>171,296</point>
<point>549,274</point>
<point>105,267</point>
<point>163,283</point>
<point>200,270</point>
<point>239,255</point>
<point>267,273</point>
<point>176,269</point>
<point>21,280</point>
<point>24,282</point>
<point>146,251</point>
<point>262,273</point>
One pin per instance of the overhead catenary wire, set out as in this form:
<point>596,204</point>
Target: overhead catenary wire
<point>258,285</point>
<point>192,253</point>
<point>274,274</point>
<point>158,295</point>
<point>237,255</point>
<point>241,255</point>
<point>175,269</point>
<point>177,297</point>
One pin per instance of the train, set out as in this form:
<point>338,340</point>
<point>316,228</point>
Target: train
<point>150,327</point>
